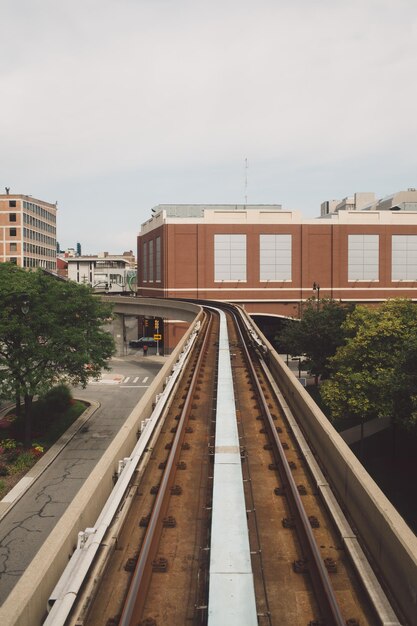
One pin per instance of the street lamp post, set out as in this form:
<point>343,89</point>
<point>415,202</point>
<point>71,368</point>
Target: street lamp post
<point>316,287</point>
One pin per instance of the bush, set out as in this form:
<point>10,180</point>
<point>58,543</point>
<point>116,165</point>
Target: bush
<point>12,455</point>
<point>58,399</point>
<point>4,470</point>
<point>23,461</point>
<point>45,410</point>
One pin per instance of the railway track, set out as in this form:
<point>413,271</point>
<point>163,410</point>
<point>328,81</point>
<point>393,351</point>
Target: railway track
<point>176,560</point>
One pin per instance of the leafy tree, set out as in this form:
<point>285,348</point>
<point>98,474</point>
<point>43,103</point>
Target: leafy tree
<point>405,386</point>
<point>375,372</point>
<point>56,336</point>
<point>317,335</point>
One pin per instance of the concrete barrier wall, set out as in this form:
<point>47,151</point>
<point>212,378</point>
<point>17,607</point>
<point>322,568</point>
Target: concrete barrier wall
<point>390,542</point>
<point>26,604</point>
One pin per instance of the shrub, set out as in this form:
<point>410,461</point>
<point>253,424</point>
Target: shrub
<point>8,444</point>
<point>37,449</point>
<point>12,455</point>
<point>24,460</point>
<point>58,399</point>
<point>4,470</point>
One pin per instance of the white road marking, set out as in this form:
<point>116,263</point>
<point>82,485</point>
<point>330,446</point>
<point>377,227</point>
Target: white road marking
<point>135,387</point>
<point>126,380</point>
<point>145,379</point>
<point>136,380</point>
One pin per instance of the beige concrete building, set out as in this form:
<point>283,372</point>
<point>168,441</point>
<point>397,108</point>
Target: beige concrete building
<point>111,273</point>
<point>367,201</point>
<point>357,202</point>
<point>27,231</point>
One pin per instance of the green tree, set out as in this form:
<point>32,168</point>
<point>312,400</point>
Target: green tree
<point>317,335</point>
<point>405,386</point>
<point>374,373</point>
<point>51,331</point>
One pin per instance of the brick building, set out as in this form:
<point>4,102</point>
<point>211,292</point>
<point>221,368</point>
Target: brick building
<point>27,231</point>
<point>268,259</point>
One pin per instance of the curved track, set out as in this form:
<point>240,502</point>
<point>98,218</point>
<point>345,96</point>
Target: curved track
<point>163,567</point>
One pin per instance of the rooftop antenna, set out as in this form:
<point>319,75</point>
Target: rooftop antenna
<point>246,181</point>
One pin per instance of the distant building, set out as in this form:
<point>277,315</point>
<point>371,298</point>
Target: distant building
<point>357,202</point>
<point>113,273</point>
<point>367,201</point>
<point>27,231</point>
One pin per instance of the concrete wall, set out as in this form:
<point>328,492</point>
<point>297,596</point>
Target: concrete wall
<point>390,542</point>
<point>26,604</point>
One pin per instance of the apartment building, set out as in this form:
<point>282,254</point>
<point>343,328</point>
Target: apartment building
<point>27,231</point>
<point>269,260</point>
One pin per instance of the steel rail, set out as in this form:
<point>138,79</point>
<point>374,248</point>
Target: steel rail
<point>325,594</point>
<point>136,595</point>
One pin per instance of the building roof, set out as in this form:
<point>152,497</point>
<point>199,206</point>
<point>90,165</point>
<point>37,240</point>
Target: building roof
<point>20,196</point>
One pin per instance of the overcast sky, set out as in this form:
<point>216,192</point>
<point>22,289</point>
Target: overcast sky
<point>111,107</point>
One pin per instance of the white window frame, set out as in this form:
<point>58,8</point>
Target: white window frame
<point>363,258</point>
<point>158,259</point>
<point>404,258</point>
<point>275,257</point>
<point>230,263</point>
<point>150,264</point>
<point>145,262</point>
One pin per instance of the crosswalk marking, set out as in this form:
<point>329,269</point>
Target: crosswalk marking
<point>120,379</point>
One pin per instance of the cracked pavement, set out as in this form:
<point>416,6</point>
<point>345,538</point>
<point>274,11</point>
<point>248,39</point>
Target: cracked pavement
<point>25,528</point>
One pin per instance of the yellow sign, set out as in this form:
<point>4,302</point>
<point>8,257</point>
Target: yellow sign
<point>156,324</point>
<point>157,337</point>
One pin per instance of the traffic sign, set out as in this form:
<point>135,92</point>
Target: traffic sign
<point>157,337</point>
<point>156,324</point>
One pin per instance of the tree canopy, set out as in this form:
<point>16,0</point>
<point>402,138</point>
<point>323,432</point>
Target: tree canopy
<point>51,331</point>
<point>317,335</point>
<point>374,374</point>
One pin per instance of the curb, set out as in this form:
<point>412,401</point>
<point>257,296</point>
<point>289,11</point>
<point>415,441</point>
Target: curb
<point>14,495</point>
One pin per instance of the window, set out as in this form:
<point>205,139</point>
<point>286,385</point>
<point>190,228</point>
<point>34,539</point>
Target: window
<point>13,260</point>
<point>229,257</point>
<point>404,257</point>
<point>363,257</point>
<point>158,259</point>
<point>150,266</point>
<point>12,232</point>
<point>275,257</point>
<point>12,203</point>
<point>145,262</point>
<point>13,247</point>
<point>12,217</point>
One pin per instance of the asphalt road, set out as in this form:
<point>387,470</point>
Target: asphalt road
<point>24,529</point>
